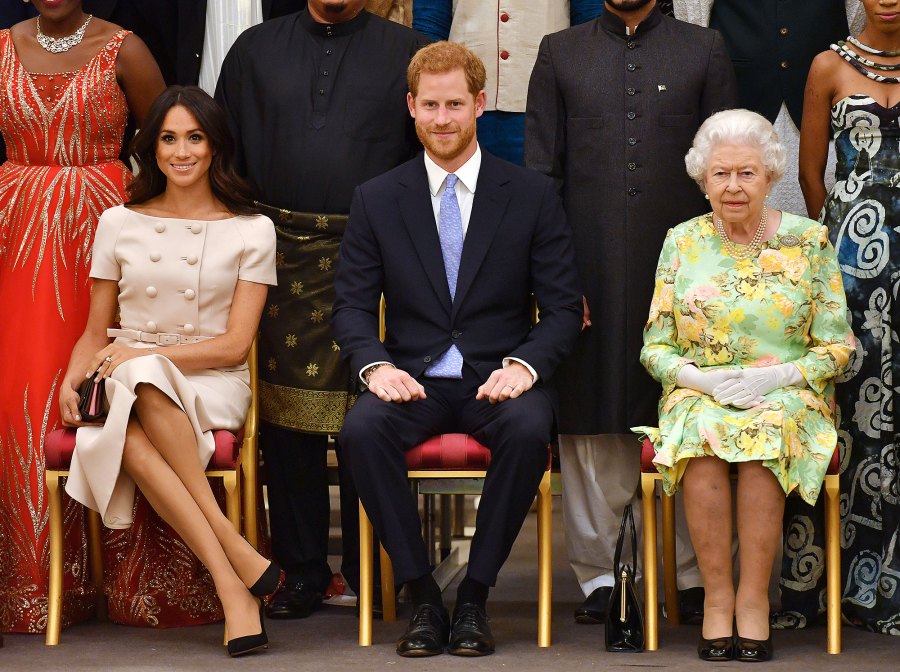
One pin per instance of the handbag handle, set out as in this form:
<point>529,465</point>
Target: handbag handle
<point>627,525</point>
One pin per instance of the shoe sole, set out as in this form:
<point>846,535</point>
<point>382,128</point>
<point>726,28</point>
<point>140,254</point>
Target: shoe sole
<point>244,653</point>
<point>584,619</point>
<point>418,653</point>
<point>468,653</point>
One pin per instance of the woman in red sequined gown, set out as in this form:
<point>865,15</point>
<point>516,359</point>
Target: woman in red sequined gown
<point>63,133</point>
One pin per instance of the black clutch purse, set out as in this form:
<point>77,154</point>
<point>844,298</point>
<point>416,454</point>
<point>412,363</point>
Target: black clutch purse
<point>90,399</point>
<point>624,620</point>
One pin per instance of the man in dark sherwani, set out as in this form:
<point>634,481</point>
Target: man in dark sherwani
<point>613,106</point>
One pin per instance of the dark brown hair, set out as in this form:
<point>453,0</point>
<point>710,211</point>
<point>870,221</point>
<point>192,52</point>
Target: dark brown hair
<point>233,191</point>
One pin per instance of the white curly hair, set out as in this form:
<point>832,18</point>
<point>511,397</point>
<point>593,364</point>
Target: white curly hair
<point>735,127</point>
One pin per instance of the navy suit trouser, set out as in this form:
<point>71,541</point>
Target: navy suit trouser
<point>376,434</point>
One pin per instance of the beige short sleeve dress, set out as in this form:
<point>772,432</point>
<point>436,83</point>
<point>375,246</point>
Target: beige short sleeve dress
<point>175,276</point>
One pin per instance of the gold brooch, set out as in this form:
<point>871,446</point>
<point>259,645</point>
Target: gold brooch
<point>321,222</point>
<point>789,240</point>
<point>284,215</point>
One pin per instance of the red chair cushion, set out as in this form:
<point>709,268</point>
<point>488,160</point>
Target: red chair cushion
<point>449,451</point>
<point>648,453</point>
<point>60,444</point>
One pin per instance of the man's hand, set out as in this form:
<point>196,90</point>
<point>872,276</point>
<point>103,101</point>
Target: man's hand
<point>390,384</point>
<point>506,383</point>
<point>586,315</point>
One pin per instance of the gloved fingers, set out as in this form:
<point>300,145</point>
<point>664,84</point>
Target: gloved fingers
<point>734,395</point>
<point>727,388</point>
<point>743,403</point>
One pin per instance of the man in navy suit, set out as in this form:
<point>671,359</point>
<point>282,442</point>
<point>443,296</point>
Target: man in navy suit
<point>457,241</point>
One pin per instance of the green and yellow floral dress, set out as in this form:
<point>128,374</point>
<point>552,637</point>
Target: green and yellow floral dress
<point>712,310</point>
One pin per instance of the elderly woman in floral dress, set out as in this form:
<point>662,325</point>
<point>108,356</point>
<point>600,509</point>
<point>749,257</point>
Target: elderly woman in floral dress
<point>747,330</point>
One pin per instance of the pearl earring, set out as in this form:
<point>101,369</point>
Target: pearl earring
<point>706,196</point>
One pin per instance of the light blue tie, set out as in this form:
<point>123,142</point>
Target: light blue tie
<point>449,365</point>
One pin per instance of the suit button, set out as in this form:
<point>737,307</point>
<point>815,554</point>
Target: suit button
<point>631,115</point>
<point>197,227</point>
<point>455,333</point>
<point>632,191</point>
<point>151,327</point>
<point>151,291</point>
<point>631,67</point>
<point>504,17</point>
<point>783,31</point>
<point>155,256</point>
<point>630,45</point>
<point>632,141</point>
<point>189,294</point>
<point>189,328</point>
<point>504,54</point>
<point>160,227</point>
<point>630,91</point>
<point>427,359</point>
<point>785,65</point>
<point>632,166</point>
<point>191,259</point>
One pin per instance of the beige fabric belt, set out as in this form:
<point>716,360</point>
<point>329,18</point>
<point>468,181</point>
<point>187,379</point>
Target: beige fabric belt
<point>158,339</point>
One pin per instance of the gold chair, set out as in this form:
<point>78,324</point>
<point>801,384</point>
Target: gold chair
<point>234,455</point>
<point>649,477</point>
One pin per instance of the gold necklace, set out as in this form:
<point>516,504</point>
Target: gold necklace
<point>751,250</point>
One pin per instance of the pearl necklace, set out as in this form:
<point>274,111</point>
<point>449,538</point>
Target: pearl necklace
<point>869,50</point>
<point>58,45</point>
<point>747,251</point>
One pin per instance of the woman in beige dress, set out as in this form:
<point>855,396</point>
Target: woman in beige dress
<point>186,265</point>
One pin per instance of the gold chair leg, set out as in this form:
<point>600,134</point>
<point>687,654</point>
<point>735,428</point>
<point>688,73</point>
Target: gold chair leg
<point>651,581</point>
<point>365,578</point>
<point>54,605</point>
<point>95,549</point>
<point>250,469</point>
<point>388,597</point>
<point>670,565</point>
<point>833,561</point>
<point>232,501</point>
<point>545,559</point>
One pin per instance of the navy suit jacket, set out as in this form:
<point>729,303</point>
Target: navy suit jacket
<point>518,243</point>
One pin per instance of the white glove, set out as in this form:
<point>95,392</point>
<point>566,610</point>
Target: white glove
<point>751,385</point>
<point>704,381</point>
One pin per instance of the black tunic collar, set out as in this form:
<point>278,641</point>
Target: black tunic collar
<point>612,23</point>
<point>312,26</point>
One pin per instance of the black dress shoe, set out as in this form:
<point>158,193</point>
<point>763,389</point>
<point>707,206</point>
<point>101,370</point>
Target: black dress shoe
<point>294,600</point>
<point>720,648</point>
<point>690,605</point>
<point>593,610</point>
<point>426,634</point>
<point>753,650</point>
<point>470,632</point>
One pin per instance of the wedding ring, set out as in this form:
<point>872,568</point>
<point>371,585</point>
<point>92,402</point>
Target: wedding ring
<point>108,359</point>
<point>508,385</point>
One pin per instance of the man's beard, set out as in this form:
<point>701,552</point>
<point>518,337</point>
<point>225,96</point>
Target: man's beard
<point>445,151</point>
<point>628,5</point>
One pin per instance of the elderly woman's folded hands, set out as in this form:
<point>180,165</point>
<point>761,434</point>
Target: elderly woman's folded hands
<point>741,388</point>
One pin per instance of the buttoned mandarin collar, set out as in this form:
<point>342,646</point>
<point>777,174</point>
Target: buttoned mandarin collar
<point>616,26</point>
<point>313,27</point>
<point>467,173</point>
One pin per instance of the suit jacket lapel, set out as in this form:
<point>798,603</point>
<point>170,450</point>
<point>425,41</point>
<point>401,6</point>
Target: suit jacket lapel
<point>418,216</point>
<point>487,211</point>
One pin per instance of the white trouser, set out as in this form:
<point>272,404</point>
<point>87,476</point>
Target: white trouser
<point>600,476</point>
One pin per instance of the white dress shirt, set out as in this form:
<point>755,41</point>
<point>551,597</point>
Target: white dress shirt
<point>465,196</point>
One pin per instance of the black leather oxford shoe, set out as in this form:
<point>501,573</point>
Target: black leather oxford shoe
<point>426,634</point>
<point>593,610</point>
<point>294,600</point>
<point>470,632</point>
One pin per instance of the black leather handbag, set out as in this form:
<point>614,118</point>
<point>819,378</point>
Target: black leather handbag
<point>624,619</point>
<point>91,397</point>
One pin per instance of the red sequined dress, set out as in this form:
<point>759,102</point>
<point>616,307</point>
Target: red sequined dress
<point>63,133</point>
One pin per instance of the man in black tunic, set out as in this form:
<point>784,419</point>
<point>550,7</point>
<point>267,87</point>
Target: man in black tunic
<point>613,106</point>
<point>317,103</point>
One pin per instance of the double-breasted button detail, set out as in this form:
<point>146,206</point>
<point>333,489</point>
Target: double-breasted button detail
<point>189,294</point>
<point>427,359</point>
<point>630,91</point>
<point>189,329</point>
<point>160,227</point>
<point>151,327</point>
<point>631,116</point>
<point>151,291</point>
<point>155,256</point>
<point>197,227</point>
<point>191,259</point>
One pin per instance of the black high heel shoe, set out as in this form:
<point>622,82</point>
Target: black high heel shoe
<point>249,643</point>
<point>754,650</point>
<point>720,648</point>
<point>268,583</point>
